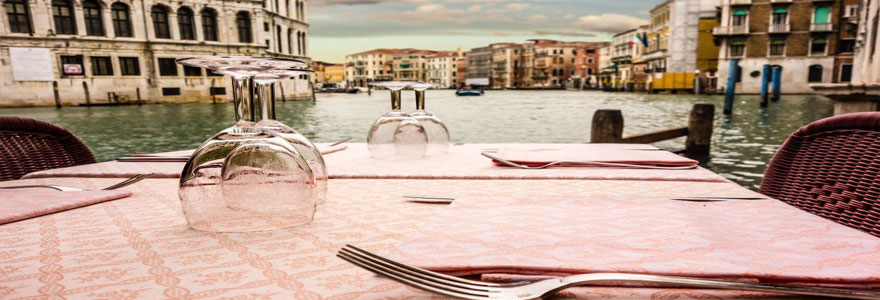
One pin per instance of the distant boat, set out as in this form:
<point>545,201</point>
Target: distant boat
<point>468,92</point>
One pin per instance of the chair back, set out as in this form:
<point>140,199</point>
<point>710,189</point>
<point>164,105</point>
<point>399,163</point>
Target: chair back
<point>28,145</point>
<point>831,168</point>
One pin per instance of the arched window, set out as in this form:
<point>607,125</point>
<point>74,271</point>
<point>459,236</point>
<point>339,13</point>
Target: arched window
<point>243,22</point>
<point>290,41</point>
<point>19,16</point>
<point>93,18</point>
<point>186,23</point>
<point>62,14</point>
<point>815,74</point>
<point>278,43</point>
<point>121,19</point>
<point>159,14</point>
<point>209,24</point>
<point>286,8</point>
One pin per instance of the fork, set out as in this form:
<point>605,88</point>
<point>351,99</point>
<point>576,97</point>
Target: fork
<point>469,289</point>
<point>582,162</point>
<point>119,185</point>
<point>449,199</point>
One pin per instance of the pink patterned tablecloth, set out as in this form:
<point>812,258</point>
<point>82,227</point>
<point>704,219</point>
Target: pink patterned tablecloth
<point>139,247</point>
<point>753,240</point>
<point>20,204</point>
<point>462,162</point>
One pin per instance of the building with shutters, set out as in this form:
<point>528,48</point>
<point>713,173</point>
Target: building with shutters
<point>74,52</point>
<point>812,40</point>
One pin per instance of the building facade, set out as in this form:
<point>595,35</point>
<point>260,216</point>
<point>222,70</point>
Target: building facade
<point>363,68</point>
<point>586,66</point>
<point>443,68</point>
<point>627,58</point>
<point>813,41</point>
<point>479,62</point>
<point>88,51</point>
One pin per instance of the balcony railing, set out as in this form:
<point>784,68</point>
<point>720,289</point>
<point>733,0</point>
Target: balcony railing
<point>779,28</point>
<point>780,1</point>
<point>740,2</point>
<point>821,27</point>
<point>730,30</point>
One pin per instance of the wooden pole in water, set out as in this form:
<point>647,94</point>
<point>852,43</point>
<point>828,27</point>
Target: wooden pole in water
<point>699,137</point>
<point>607,126</point>
<point>777,82</point>
<point>765,82</point>
<point>57,96</point>
<point>86,92</point>
<point>730,92</point>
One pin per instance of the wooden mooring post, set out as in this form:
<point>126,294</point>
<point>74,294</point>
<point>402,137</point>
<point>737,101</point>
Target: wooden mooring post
<point>607,127</point>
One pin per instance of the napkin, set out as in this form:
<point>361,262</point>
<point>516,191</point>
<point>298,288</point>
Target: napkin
<point>765,241</point>
<point>633,157</point>
<point>20,204</point>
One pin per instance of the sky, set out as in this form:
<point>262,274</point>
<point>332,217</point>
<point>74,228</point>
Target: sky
<point>341,27</point>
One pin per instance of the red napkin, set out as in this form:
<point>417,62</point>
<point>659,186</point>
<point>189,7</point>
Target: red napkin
<point>632,157</point>
<point>20,204</point>
<point>765,240</point>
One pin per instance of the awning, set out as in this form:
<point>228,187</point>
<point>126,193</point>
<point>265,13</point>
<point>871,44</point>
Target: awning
<point>780,11</point>
<point>614,66</point>
<point>778,42</point>
<point>740,12</point>
<point>818,41</point>
<point>737,42</point>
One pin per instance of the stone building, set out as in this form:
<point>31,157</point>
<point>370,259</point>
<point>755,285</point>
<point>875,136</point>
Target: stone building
<point>443,68</point>
<point>479,62</point>
<point>366,67</point>
<point>506,65</point>
<point>812,40</point>
<point>327,74</point>
<point>586,66</point>
<point>92,51</point>
<point>627,58</point>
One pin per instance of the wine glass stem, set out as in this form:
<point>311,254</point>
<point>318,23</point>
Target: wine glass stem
<point>242,98</point>
<point>395,99</point>
<point>266,100</point>
<point>420,100</point>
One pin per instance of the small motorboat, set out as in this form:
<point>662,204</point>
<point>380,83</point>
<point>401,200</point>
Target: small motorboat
<point>469,92</point>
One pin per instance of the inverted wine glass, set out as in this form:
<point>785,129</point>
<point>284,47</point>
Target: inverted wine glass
<point>396,134</point>
<point>438,134</point>
<point>265,82</point>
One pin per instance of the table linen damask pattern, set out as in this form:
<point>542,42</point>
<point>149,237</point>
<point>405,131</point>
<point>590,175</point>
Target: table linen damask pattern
<point>139,247</point>
<point>753,240</point>
<point>20,204</point>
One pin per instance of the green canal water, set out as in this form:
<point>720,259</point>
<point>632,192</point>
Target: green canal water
<point>742,144</point>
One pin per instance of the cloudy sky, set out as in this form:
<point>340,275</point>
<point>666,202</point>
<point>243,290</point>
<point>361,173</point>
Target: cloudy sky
<point>340,27</point>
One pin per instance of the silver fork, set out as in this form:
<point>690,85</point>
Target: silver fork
<point>119,185</point>
<point>580,162</point>
<point>477,290</point>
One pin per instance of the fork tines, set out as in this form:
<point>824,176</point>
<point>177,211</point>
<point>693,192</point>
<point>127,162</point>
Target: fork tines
<point>420,278</point>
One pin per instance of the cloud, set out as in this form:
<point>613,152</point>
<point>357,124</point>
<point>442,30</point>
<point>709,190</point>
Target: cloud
<point>564,33</point>
<point>517,6</point>
<point>361,2</point>
<point>536,18</point>
<point>608,22</point>
<point>430,13</point>
<point>475,8</point>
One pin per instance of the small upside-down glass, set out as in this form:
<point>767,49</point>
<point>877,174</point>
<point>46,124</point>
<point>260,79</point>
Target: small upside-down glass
<point>438,134</point>
<point>396,134</point>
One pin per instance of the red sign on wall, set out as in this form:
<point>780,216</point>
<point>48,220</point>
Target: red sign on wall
<point>72,69</point>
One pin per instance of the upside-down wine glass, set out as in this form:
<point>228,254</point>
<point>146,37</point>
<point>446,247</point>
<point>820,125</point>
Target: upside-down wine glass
<point>438,134</point>
<point>396,134</point>
<point>265,83</point>
<point>245,178</point>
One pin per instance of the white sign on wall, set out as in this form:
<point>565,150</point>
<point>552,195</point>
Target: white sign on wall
<point>31,64</point>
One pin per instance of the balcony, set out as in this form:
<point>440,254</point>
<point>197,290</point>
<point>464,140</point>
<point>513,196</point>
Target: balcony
<point>780,1</point>
<point>740,2</point>
<point>821,27</point>
<point>779,28</point>
<point>731,30</point>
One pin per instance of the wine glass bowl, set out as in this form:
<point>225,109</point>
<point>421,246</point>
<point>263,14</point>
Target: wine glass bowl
<point>438,134</point>
<point>396,134</point>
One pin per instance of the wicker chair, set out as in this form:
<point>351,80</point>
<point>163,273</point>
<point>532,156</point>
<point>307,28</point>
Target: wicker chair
<point>831,168</point>
<point>28,145</point>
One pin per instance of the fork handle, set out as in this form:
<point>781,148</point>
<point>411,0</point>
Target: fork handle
<point>674,281</point>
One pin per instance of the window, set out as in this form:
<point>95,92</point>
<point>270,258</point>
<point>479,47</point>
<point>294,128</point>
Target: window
<point>737,48</point>
<point>847,46</point>
<point>62,14</point>
<point>265,26</point>
<point>779,17</point>
<point>186,23</point>
<point>160,22</point>
<point>209,24</point>
<point>71,65</point>
<point>129,66</point>
<point>102,66</point>
<point>243,22</point>
<point>739,17</point>
<point>121,20</point>
<point>817,46</point>
<point>218,91</point>
<point>845,73</point>
<point>777,47</point>
<point>278,43</point>
<point>821,15</point>
<point>93,18</point>
<point>815,74</point>
<point>290,41</point>
<point>192,71</point>
<point>851,11</point>
<point>19,16</point>
<point>167,67</point>
<point>170,91</point>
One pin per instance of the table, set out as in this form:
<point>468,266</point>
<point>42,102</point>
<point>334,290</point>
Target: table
<point>140,247</point>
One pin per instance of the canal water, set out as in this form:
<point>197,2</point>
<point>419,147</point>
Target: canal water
<point>742,144</point>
